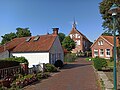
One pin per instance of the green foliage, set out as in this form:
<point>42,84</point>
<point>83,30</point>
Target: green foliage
<point>23,32</point>
<point>58,63</point>
<point>106,34</point>
<point>43,75</point>
<point>61,36</point>
<point>89,59</point>
<point>70,57</point>
<point>50,68</point>
<point>8,37</point>
<point>39,76</point>
<point>111,59</point>
<point>18,59</point>
<point>104,7</point>
<point>110,63</point>
<point>68,43</point>
<point>7,63</point>
<point>99,63</point>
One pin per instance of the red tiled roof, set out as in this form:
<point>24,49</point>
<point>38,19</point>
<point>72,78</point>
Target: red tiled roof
<point>110,39</point>
<point>44,43</point>
<point>11,44</point>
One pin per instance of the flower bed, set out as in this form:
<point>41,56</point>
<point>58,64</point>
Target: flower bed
<point>21,81</point>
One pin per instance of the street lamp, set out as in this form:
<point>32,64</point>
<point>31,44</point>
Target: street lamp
<point>114,10</point>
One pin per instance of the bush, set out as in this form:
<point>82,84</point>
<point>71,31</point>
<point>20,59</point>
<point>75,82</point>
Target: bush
<point>89,59</point>
<point>58,63</point>
<point>18,59</point>
<point>6,63</point>
<point>70,57</point>
<point>111,59</point>
<point>99,63</point>
<point>50,68</point>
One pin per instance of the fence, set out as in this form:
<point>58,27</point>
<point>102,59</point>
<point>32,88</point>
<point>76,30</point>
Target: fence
<point>9,71</point>
<point>37,68</point>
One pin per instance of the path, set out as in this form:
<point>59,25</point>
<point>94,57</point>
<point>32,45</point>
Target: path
<point>77,76</point>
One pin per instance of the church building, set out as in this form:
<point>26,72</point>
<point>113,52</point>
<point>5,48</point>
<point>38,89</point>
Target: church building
<point>82,42</point>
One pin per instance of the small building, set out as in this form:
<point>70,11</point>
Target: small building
<point>36,49</point>
<point>103,47</point>
<point>82,42</point>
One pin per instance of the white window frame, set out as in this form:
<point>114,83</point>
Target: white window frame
<point>95,50</point>
<point>100,42</point>
<point>101,51</point>
<point>78,36</point>
<point>77,42</point>
<point>71,36</point>
<point>107,52</point>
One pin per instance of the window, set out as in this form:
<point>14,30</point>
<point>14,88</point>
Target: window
<point>95,52</point>
<point>52,58</point>
<point>71,36</point>
<point>28,39</point>
<point>101,52</point>
<point>108,52</point>
<point>36,38</point>
<point>77,42</point>
<point>78,36</point>
<point>100,42</point>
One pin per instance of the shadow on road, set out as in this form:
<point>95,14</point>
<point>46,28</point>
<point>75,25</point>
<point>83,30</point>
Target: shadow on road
<point>70,66</point>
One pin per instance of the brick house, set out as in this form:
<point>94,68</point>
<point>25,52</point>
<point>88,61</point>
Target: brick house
<point>36,49</point>
<point>82,42</point>
<point>103,47</point>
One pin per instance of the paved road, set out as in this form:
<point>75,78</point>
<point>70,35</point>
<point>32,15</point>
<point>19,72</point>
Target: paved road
<point>77,76</point>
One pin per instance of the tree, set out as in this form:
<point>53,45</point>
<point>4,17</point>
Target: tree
<point>104,7</point>
<point>8,37</point>
<point>23,32</point>
<point>106,33</point>
<point>68,43</point>
<point>61,36</point>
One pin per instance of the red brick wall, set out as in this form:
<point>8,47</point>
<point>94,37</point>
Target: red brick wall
<point>105,46</point>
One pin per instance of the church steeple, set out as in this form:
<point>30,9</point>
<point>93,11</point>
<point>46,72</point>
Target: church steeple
<point>74,24</point>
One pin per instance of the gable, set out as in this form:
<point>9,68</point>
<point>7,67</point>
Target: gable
<point>77,34</point>
<point>56,47</point>
<point>106,40</point>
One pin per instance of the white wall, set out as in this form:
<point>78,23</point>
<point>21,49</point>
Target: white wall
<point>57,48</point>
<point>4,54</point>
<point>34,58</point>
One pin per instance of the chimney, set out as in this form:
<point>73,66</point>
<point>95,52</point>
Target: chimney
<point>55,31</point>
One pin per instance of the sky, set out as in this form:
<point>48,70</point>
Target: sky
<point>40,16</point>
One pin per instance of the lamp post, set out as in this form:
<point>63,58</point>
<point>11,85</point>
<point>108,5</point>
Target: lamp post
<point>114,10</point>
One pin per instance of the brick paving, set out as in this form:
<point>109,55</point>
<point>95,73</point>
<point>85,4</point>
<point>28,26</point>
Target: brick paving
<point>75,76</point>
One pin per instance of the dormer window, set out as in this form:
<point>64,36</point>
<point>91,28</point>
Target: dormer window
<point>100,42</point>
<point>36,38</point>
<point>28,39</point>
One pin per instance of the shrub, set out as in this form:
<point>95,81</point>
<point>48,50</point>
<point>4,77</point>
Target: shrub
<point>111,59</point>
<point>99,63</point>
<point>6,63</point>
<point>58,63</point>
<point>89,59</point>
<point>50,68</point>
<point>70,57</point>
<point>18,59</point>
